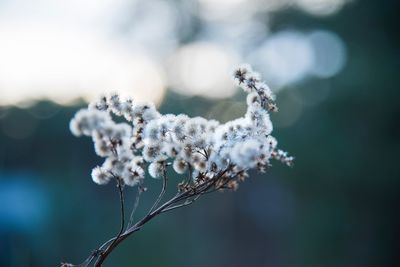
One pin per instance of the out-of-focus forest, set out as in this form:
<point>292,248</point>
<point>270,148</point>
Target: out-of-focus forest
<point>337,206</point>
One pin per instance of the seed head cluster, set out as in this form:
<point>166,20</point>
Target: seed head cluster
<point>204,149</point>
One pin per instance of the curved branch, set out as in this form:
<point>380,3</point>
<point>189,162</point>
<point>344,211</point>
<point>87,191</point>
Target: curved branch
<point>114,241</point>
<point>135,205</point>
<point>121,200</point>
<point>167,206</point>
<point>163,190</point>
<point>186,203</point>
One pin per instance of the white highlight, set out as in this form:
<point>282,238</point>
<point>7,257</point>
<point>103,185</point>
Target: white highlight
<point>330,53</point>
<point>202,69</point>
<point>321,7</point>
<point>59,53</point>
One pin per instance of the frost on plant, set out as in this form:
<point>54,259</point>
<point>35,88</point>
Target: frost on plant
<point>209,155</point>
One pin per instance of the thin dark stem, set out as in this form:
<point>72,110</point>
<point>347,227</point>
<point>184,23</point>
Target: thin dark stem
<point>206,153</point>
<point>135,205</point>
<point>113,245</point>
<point>190,172</point>
<point>133,229</point>
<point>163,190</point>
<point>85,263</point>
<point>114,240</point>
<point>201,153</point>
<point>169,205</point>
<point>121,200</point>
<point>106,243</point>
<point>186,203</point>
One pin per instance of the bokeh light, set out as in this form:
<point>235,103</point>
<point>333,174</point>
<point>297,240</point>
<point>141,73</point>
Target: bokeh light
<point>288,57</point>
<point>321,7</point>
<point>68,50</point>
<point>329,53</point>
<point>333,65</point>
<point>202,69</point>
<point>30,207</point>
<point>285,58</point>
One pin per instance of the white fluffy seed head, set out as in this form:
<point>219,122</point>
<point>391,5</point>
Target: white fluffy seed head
<point>156,169</point>
<point>206,145</point>
<point>115,103</point>
<point>200,165</point>
<point>137,161</point>
<point>134,176</point>
<point>171,149</point>
<point>180,166</point>
<point>152,152</point>
<point>245,154</point>
<point>74,127</point>
<point>102,148</point>
<point>212,126</point>
<point>192,128</point>
<point>149,112</point>
<point>272,142</point>
<point>86,121</point>
<point>253,99</point>
<point>100,104</point>
<point>100,176</point>
<point>152,131</point>
<point>241,73</point>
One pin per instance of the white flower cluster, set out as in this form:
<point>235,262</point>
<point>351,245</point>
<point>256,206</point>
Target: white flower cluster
<point>202,147</point>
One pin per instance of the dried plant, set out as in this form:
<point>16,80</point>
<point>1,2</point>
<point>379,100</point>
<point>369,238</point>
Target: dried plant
<point>211,156</point>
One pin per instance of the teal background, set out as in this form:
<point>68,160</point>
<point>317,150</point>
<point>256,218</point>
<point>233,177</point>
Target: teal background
<point>338,205</point>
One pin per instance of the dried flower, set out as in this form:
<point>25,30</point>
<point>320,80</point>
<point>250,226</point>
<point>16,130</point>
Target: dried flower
<point>156,169</point>
<point>212,156</point>
<point>100,176</point>
<point>156,140</point>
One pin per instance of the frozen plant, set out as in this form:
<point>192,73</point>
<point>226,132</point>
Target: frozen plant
<point>209,155</point>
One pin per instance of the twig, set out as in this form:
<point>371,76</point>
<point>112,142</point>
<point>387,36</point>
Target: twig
<point>186,203</point>
<point>114,240</point>
<point>121,200</point>
<point>163,190</point>
<point>167,206</point>
<point>135,205</point>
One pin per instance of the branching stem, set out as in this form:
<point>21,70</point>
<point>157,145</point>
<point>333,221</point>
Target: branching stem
<point>135,205</point>
<point>181,199</point>
<point>163,190</point>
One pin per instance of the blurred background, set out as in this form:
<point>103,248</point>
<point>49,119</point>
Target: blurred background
<point>333,65</point>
